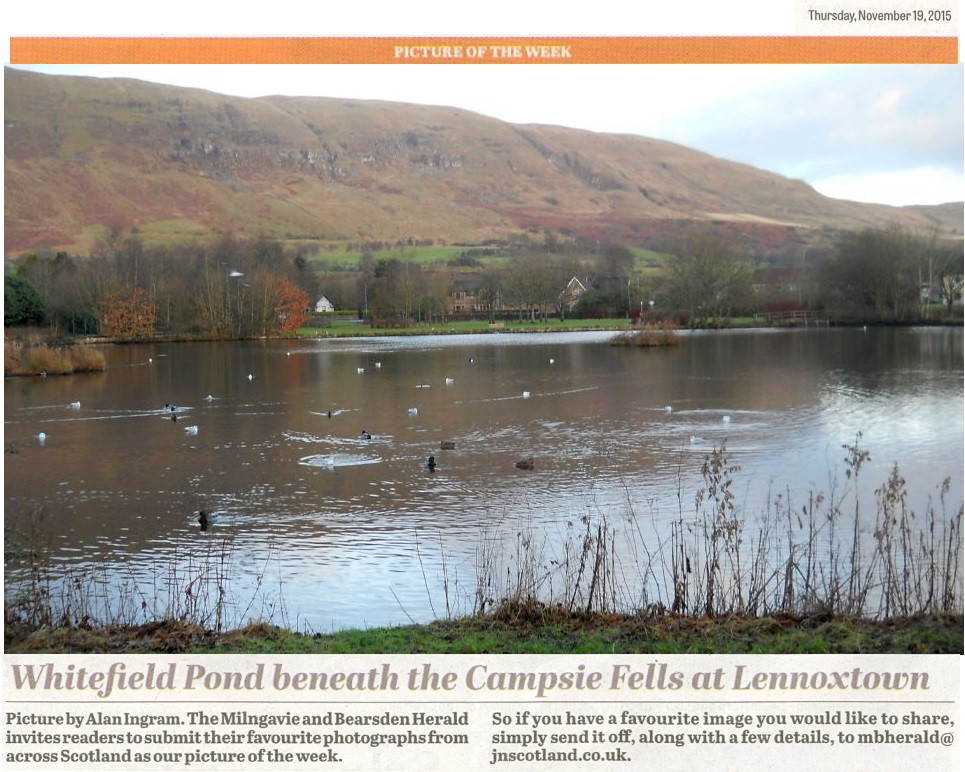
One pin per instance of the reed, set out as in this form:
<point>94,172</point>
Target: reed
<point>649,336</point>
<point>21,358</point>
<point>717,560</point>
<point>190,586</point>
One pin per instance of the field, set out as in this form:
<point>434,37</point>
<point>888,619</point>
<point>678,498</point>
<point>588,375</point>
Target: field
<point>337,257</point>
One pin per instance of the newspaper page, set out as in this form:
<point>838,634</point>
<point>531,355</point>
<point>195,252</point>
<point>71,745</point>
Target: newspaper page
<point>474,711</point>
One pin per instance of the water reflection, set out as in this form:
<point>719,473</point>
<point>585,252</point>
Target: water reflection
<point>343,530</point>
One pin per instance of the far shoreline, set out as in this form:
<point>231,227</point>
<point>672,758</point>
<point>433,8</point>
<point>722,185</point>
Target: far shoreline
<point>40,353</point>
<point>362,331</point>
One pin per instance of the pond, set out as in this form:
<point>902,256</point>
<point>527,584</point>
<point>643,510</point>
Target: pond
<point>315,526</point>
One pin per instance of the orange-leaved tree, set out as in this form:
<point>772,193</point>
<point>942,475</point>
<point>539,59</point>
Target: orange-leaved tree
<point>127,315</point>
<point>291,308</point>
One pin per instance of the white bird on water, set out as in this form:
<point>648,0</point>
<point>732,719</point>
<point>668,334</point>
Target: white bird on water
<point>42,437</point>
<point>413,411</point>
<point>525,395</point>
<point>74,406</point>
<point>191,430</point>
<point>668,409</point>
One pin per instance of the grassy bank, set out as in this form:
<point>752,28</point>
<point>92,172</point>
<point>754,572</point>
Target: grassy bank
<point>529,629</point>
<point>347,327</point>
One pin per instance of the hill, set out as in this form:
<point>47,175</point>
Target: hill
<point>85,155</point>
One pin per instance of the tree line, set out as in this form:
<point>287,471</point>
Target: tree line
<point>234,288</point>
<point>526,282</point>
<point>891,275</point>
<point>227,289</point>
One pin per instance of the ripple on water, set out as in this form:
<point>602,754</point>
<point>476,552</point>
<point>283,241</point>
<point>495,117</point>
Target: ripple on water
<point>337,460</point>
<point>374,439</point>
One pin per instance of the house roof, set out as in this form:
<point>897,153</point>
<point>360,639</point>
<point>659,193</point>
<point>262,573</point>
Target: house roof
<point>467,282</point>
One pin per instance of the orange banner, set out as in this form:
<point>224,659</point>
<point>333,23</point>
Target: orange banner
<point>487,50</point>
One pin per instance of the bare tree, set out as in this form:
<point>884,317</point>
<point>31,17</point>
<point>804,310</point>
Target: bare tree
<point>879,274</point>
<point>536,282</point>
<point>708,277</point>
<point>491,289</point>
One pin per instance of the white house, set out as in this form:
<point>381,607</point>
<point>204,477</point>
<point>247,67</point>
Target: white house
<point>324,305</point>
<point>574,290</point>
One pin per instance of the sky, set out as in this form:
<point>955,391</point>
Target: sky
<point>880,133</point>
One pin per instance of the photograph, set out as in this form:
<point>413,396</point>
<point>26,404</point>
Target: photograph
<point>455,359</point>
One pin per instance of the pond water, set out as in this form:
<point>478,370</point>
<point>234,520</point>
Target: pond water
<point>318,528</point>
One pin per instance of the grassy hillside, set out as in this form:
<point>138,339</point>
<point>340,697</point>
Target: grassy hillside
<point>86,155</point>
